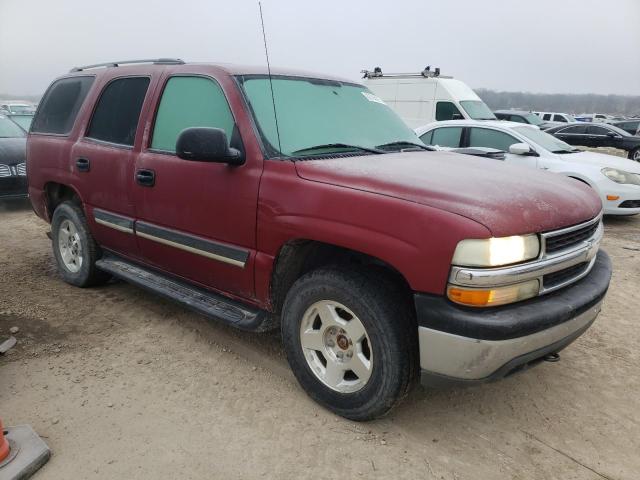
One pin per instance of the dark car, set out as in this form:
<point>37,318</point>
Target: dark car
<point>522,116</point>
<point>630,126</point>
<point>598,135</point>
<point>13,175</point>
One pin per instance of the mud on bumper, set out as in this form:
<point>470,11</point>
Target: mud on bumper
<point>459,344</point>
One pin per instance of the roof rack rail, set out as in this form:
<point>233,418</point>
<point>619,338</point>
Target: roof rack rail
<point>155,61</point>
<point>426,73</point>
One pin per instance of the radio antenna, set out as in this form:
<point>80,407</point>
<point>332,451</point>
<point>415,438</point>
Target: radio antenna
<point>273,99</point>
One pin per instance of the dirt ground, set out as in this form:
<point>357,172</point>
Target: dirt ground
<point>122,384</point>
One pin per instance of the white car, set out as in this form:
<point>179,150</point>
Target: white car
<point>616,179</point>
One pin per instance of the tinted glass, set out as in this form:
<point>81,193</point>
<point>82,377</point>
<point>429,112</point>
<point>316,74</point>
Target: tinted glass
<point>446,110</point>
<point>426,138</point>
<point>559,118</point>
<point>60,105</point>
<point>313,112</point>
<point>484,137</point>
<point>8,129</point>
<point>447,137</point>
<point>189,102</point>
<point>575,130</point>
<point>547,116</point>
<point>593,130</point>
<point>116,116</point>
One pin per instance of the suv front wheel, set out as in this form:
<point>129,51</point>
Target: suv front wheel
<point>74,248</point>
<point>350,340</point>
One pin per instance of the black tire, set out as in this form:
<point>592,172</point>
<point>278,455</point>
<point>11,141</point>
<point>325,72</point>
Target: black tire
<point>635,155</point>
<point>88,274</point>
<point>390,325</point>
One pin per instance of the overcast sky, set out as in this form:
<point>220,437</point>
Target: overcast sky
<point>558,46</point>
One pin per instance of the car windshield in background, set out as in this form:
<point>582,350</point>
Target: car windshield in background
<point>477,110</point>
<point>546,141</point>
<point>533,119</point>
<point>18,109</point>
<point>8,129</point>
<point>23,120</point>
<point>316,116</point>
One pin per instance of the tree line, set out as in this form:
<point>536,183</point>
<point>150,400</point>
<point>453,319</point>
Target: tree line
<point>562,102</point>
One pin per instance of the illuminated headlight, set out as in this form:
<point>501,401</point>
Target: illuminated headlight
<point>493,252</point>
<point>620,176</point>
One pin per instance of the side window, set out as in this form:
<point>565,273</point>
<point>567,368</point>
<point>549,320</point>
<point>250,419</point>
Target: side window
<point>577,129</point>
<point>546,116</point>
<point>484,137</point>
<point>116,116</point>
<point>593,130</point>
<point>426,138</point>
<point>518,118</point>
<point>190,102</point>
<point>59,107</point>
<point>447,137</point>
<point>559,118</point>
<point>446,110</point>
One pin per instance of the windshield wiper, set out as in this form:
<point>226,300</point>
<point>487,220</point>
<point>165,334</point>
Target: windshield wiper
<point>402,142</point>
<point>573,150</point>
<point>338,145</point>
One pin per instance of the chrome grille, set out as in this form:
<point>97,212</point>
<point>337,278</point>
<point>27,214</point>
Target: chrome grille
<point>5,171</point>
<point>22,169</point>
<point>570,237</point>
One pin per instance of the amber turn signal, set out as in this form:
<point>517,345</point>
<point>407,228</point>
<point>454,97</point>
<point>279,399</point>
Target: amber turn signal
<point>613,197</point>
<point>491,297</point>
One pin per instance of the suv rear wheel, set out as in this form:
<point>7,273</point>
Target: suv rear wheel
<point>74,248</point>
<point>351,341</point>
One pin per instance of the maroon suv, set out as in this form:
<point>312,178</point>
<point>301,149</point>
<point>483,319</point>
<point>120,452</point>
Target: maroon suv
<point>301,201</point>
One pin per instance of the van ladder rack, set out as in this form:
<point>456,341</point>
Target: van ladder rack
<point>155,61</point>
<point>426,73</point>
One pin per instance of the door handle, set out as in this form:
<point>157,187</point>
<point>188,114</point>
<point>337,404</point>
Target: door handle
<point>83,164</point>
<point>146,178</point>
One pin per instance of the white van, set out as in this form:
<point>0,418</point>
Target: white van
<point>425,97</point>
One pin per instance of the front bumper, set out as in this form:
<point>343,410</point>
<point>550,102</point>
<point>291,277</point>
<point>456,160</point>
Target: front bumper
<point>628,197</point>
<point>14,186</point>
<point>474,345</point>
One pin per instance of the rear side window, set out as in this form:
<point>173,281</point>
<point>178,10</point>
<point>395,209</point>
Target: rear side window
<point>446,111</point>
<point>546,116</point>
<point>484,137</point>
<point>447,137</point>
<point>190,102</point>
<point>559,118</point>
<point>60,105</point>
<point>116,116</point>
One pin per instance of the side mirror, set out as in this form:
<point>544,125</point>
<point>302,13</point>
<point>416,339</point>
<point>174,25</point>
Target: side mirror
<point>205,144</point>
<point>520,149</point>
<point>612,134</point>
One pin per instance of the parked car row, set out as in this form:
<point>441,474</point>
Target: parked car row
<point>290,199</point>
<point>13,180</point>
<point>599,135</point>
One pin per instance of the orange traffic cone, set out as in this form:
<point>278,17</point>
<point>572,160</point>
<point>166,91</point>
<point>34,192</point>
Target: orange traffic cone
<point>4,444</point>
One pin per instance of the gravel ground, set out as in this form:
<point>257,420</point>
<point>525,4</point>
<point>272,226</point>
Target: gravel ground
<point>122,384</point>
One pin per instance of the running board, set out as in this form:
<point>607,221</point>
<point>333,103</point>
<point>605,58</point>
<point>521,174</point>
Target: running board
<point>198,299</point>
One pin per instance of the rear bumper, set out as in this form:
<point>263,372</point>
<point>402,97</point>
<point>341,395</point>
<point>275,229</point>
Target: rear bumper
<point>476,345</point>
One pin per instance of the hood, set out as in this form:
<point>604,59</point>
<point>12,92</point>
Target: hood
<point>603,160</point>
<point>508,200</point>
<point>13,150</point>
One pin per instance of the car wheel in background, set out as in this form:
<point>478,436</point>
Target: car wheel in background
<point>635,154</point>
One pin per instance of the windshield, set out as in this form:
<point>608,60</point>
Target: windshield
<point>23,120</point>
<point>477,110</point>
<point>571,118</point>
<point>546,141</point>
<point>619,131</point>
<point>8,129</point>
<point>332,116</point>
<point>533,119</point>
